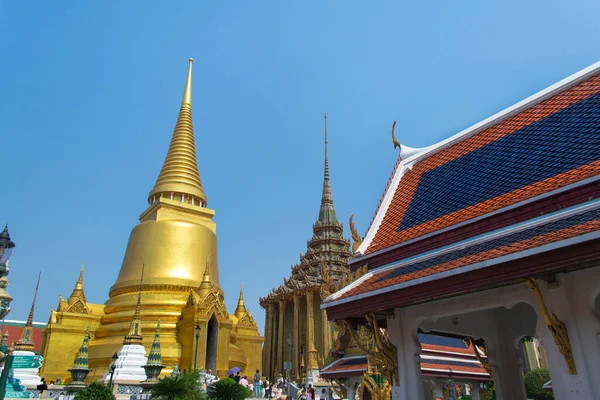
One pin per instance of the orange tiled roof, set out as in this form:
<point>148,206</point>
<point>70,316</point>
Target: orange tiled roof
<point>529,237</point>
<point>416,201</point>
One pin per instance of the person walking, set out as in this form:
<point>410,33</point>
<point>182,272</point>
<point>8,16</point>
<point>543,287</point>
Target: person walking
<point>268,385</point>
<point>257,384</point>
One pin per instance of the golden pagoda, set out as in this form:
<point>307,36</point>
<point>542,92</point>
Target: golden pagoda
<point>176,244</point>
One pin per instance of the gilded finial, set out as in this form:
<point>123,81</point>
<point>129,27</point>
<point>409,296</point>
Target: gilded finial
<point>187,92</point>
<point>356,238</point>
<point>394,140</point>
<point>240,310</point>
<point>134,336</point>
<point>179,177</point>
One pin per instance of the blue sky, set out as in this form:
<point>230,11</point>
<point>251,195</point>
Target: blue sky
<point>90,92</point>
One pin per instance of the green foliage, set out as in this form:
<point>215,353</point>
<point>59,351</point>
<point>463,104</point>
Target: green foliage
<point>465,397</point>
<point>534,380</point>
<point>180,387</point>
<point>490,392</point>
<point>328,360</point>
<point>227,389</point>
<point>95,391</point>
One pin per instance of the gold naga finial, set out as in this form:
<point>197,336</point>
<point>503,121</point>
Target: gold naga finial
<point>396,142</point>
<point>356,238</point>
<point>555,326</point>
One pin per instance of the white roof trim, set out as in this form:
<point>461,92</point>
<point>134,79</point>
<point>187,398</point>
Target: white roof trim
<point>362,259</point>
<point>454,372</point>
<point>342,359</point>
<point>416,156</point>
<point>440,358</point>
<point>332,300</point>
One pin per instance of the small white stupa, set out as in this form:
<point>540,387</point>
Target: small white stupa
<point>132,356</point>
<point>25,347</point>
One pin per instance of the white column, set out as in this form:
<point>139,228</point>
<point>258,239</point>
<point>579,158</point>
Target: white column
<point>474,390</point>
<point>503,356</point>
<point>350,385</point>
<point>403,334</point>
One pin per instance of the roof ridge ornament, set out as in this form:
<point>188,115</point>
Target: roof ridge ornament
<point>356,238</point>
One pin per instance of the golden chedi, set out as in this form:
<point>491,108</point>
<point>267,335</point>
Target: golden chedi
<point>176,244</point>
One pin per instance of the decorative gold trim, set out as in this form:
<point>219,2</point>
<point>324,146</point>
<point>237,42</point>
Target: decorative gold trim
<point>377,393</point>
<point>469,341</point>
<point>382,354</point>
<point>556,327</point>
<point>394,140</point>
<point>356,238</point>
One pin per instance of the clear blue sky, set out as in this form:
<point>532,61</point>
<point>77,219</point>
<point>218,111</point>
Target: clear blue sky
<point>90,92</point>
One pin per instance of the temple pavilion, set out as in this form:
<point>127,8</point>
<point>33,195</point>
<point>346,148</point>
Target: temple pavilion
<point>491,235</point>
<point>296,330</point>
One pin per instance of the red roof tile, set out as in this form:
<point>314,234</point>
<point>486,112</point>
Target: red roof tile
<point>388,232</point>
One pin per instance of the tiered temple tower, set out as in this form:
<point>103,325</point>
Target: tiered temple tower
<point>296,329</point>
<point>176,241</point>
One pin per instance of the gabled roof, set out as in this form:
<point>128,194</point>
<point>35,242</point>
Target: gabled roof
<point>544,143</point>
<point>440,356</point>
<point>555,230</point>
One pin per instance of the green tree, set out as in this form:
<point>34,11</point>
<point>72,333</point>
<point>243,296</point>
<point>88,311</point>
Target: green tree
<point>534,380</point>
<point>180,387</point>
<point>95,391</point>
<point>227,389</point>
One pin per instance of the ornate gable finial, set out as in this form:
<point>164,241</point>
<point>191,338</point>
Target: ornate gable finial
<point>394,140</point>
<point>77,302</point>
<point>356,238</point>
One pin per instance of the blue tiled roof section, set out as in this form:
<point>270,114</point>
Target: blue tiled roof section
<point>450,363</point>
<point>354,361</point>
<point>438,340</point>
<point>555,144</point>
<point>494,243</point>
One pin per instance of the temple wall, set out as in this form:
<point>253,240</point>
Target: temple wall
<point>61,341</point>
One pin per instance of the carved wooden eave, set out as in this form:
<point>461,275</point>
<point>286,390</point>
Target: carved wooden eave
<point>556,327</point>
<point>380,352</point>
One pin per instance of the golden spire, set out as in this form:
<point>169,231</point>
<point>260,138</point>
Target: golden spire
<point>78,293</point>
<point>179,178</point>
<point>240,310</point>
<point>206,284</point>
<point>25,341</point>
<point>134,336</point>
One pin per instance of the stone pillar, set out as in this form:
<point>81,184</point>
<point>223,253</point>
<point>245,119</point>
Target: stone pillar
<point>403,335</point>
<point>280,340</point>
<point>475,390</point>
<point>274,325</point>
<point>296,338</point>
<point>503,356</point>
<point>266,368</point>
<point>312,367</point>
<point>326,334</point>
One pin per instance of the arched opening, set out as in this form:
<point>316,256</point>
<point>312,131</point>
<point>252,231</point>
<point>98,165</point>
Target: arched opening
<point>212,342</point>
